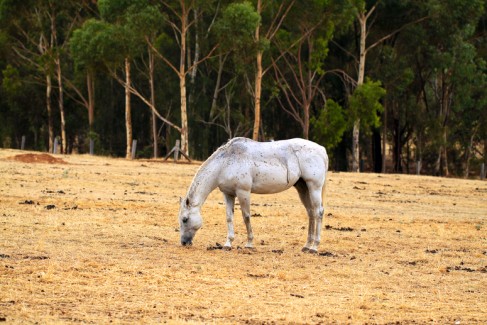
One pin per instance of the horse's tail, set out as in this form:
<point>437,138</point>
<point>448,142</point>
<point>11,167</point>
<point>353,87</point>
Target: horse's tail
<point>323,189</point>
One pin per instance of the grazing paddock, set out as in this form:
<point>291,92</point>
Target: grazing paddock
<point>94,240</point>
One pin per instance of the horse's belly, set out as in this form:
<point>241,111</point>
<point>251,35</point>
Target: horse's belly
<point>272,180</point>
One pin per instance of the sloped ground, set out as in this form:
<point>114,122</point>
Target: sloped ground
<point>94,240</point>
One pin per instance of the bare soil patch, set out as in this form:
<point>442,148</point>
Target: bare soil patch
<point>38,158</point>
<point>96,241</point>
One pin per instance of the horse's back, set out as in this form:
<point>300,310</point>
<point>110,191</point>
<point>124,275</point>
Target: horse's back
<point>287,149</point>
<point>297,155</point>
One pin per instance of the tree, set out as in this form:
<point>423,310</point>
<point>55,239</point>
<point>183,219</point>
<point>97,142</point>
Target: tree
<point>235,34</point>
<point>302,48</point>
<point>85,53</point>
<point>180,22</point>
<point>124,44</point>
<point>362,17</point>
<point>263,35</point>
<point>39,42</point>
<point>450,71</point>
<point>330,124</point>
<point>364,104</point>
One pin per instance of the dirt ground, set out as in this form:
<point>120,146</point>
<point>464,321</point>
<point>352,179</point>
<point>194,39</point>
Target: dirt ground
<point>95,240</point>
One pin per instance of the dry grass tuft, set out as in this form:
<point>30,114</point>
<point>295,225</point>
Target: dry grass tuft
<point>95,240</point>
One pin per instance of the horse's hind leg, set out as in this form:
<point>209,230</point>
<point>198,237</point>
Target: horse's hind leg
<point>317,211</point>
<point>244,200</point>
<point>303,192</point>
<point>230,203</point>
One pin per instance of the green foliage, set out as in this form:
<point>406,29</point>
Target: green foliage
<point>315,49</point>
<point>236,28</point>
<point>328,127</point>
<point>87,46</point>
<point>11,82</point>
<point>119,35</point>
<point>364,104</point>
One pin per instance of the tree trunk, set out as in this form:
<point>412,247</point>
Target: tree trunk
<point>64,139</point>
<point>384,139</point>
<point>49,111</point>
<point>355,146</point>
<point>257,95</point>
<point>153,102</point>
<point>397,146</point>
<point>216,92</point>
<point>446,171</point>
<point>258,80</point>
<point>184,116</point>
<point>90,85</point>
<point>306,121</point>
<point>377,150</point>
<point>195,60</point>
<point>182,86</point>
<point>128,113</point>
<point>362,17</point>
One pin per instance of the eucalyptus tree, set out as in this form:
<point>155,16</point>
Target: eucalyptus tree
<point>40,31</point>
<point>84,51</point>
<point>450,71</point>
<point>299,53</point>
<point>179,20</point>
<point>365,15</point>
<point>131,24</point>
<point>234,31</point>
<point>113,43</point>
<point>273,15</point>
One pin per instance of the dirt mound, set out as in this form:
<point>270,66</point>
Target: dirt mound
<point>43,158</point>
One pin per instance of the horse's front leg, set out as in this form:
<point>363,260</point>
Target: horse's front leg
<point>244,200</point>
<point>229,203</point>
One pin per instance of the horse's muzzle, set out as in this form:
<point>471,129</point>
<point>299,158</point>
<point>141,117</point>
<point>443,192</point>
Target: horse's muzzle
<point>186,241</point>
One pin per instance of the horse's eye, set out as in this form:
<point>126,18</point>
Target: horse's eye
<point>185,219</point>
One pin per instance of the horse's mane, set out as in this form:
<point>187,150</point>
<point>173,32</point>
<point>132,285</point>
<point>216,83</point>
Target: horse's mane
<point>214,156</point>
<point>223,148</point>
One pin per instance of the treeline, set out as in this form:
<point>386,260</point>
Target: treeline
<point>381,84</point>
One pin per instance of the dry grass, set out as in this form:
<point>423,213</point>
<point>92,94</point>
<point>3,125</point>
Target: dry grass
<point>96,240</point>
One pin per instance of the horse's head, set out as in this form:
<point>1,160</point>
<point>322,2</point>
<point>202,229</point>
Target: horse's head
<point>189,221</point>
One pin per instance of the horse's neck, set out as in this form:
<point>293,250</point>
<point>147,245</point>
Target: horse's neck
<point>204,182</point>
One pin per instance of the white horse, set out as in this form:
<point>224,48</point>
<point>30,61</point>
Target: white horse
<point>243,166</point>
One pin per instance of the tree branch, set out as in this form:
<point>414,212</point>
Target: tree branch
<point>146,101</point>
<point>394,33</point>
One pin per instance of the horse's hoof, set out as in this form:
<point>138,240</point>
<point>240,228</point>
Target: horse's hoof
<point>305,249</point>
<point>227,248</point>
<point>313,251</point>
